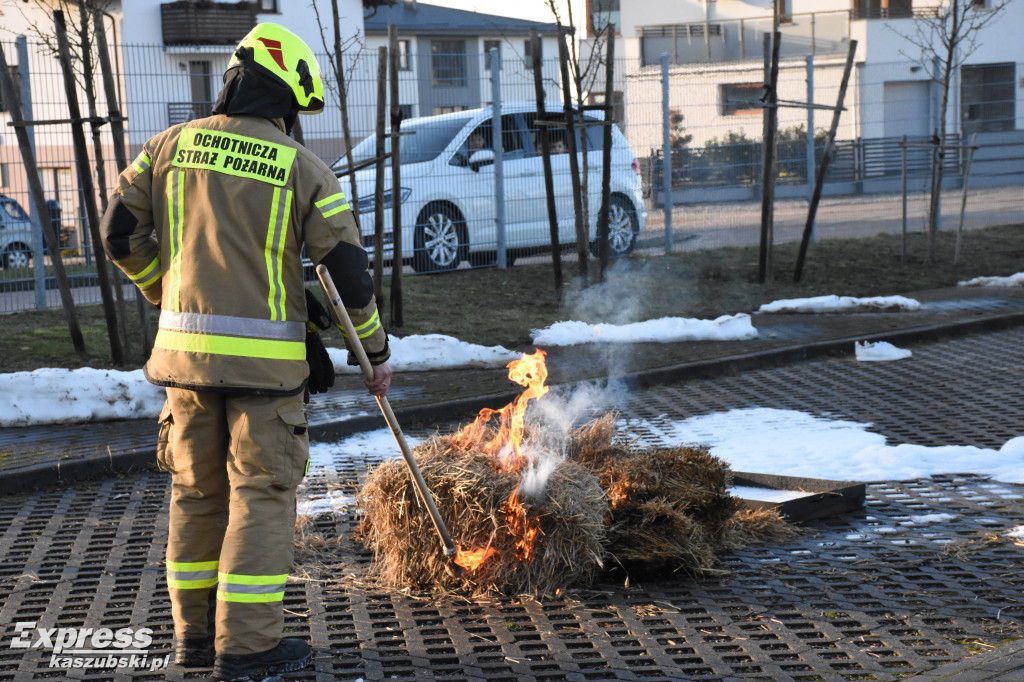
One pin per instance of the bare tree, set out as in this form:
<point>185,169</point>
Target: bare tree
<point>79,39</point>
<point>945,38</point>
<point>82,14</point>
<point>584,72</point>
<point>339,86</point>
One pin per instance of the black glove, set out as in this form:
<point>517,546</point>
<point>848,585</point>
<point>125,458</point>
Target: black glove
<point>315,312</point>
<point>321,368</point>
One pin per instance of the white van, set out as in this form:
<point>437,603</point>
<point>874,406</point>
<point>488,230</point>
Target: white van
<point>447,194</point>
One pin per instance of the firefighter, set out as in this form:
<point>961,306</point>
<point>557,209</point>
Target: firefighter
<point>209,222</point>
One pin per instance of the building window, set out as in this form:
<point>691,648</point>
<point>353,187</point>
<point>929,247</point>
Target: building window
<point>404,63</point>
<point>448,109</point>
<point>786,11</point>
<point>741,99</point>
<point>601,13</point>
<point>4,179</point>
<point>448,63</point>
<point>269,6</point>
<point>16,77</point>
<point>618,112</point>
<point>405,110</point>
<point>488,46</point>
<point>528,52</point>
<point>988,96</point>
<point>883,9</point>
<point>199,76</point>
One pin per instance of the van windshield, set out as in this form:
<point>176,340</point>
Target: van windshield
<point>13,209</point>
<point>430,139</point>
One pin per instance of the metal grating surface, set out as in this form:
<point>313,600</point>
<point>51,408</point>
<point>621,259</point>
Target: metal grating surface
<point>865,596</point>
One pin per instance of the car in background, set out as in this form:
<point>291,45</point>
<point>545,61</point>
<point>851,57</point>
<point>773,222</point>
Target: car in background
<point>448,190</point>
<point>15,234</point>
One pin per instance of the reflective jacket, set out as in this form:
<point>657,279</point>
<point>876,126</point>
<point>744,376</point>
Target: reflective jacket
<point>209,222</point>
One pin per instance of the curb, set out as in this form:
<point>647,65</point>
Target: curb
<point>47,475</point>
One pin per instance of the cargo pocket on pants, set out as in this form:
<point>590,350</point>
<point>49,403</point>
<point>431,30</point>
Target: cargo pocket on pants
<point>164,442</point>
<point>295,449</point>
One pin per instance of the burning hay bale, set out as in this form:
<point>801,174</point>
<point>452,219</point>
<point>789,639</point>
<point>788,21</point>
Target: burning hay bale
<point>522,545</point>
<point>531,518</point>
<point>668,507</point>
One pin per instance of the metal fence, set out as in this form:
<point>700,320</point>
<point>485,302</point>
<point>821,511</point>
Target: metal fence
<point>712,117</point>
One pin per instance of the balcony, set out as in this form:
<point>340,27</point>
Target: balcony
<point>202,22</point>
<point>180,112</point>
<point>818,33</point>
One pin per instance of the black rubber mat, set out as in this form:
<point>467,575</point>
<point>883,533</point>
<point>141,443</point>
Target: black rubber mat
<point>872,595</point>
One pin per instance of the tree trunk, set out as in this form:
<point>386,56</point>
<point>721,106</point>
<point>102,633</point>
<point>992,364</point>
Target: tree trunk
<point>101,167</point>
<point>945,75</point>
<point>346,131</point>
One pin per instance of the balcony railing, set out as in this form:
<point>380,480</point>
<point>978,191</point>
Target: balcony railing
<point>892,12</point>
<point>203,22</point>
<point>180,112</point>
<point>740,39</point>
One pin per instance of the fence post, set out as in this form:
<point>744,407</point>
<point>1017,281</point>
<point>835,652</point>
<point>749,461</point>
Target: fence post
<point>498,145</point>
<point>810,135</point>
<point>666,158</point>
<point>38,250</point>
<point>397,317</point>
<point>768,151</point>
<point>903,185</point>
<point>378,178</point>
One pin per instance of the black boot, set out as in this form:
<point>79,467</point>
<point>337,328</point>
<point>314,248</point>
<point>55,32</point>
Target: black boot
<point>290,654</point>
<point>195,652</point>
<point>198,652</point>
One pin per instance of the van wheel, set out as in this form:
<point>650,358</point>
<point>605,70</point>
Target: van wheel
<point>440,242</point>
<point>17,256</point>
<point>623,227</point>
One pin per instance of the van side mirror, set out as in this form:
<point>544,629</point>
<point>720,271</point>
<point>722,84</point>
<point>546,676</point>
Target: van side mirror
<point>480,158</point>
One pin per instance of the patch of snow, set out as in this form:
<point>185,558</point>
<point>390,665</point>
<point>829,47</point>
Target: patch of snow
<point>1016,280</point>
<point>750,492</point>
<point>64,396</point>
<point>932,518</point>
<point>662,330</point>
<point>879,351</point>
<point>791,443</point>
<point>840,304</point>
<point>431,352</point>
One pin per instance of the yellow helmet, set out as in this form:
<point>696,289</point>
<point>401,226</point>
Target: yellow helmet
<point>287,57</point>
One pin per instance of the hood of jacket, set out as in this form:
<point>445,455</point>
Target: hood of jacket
<point>251,90</point>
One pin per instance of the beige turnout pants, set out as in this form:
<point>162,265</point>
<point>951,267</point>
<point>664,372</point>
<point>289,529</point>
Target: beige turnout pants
<point>235,462</point>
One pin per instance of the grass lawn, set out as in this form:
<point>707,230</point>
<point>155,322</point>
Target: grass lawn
<point>499,307</point>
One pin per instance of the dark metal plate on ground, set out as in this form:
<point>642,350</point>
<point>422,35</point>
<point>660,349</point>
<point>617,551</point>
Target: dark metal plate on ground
<point>824,497</point>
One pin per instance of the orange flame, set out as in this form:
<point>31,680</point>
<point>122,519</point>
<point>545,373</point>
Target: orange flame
<point>473,560</point>
<point>506,446</point>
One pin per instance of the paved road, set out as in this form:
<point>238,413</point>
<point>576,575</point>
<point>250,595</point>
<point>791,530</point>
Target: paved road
<point>704,226</point>
<point>865,595</point>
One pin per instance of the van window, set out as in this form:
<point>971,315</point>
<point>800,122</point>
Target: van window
<point>14,210</point>
<point>482,137</point>
<point>431,138</point>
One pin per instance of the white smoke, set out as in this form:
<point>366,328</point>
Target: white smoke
<point>553,417</point>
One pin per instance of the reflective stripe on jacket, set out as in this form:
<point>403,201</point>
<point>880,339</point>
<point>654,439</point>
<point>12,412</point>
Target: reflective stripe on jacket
<point>224,207</point>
